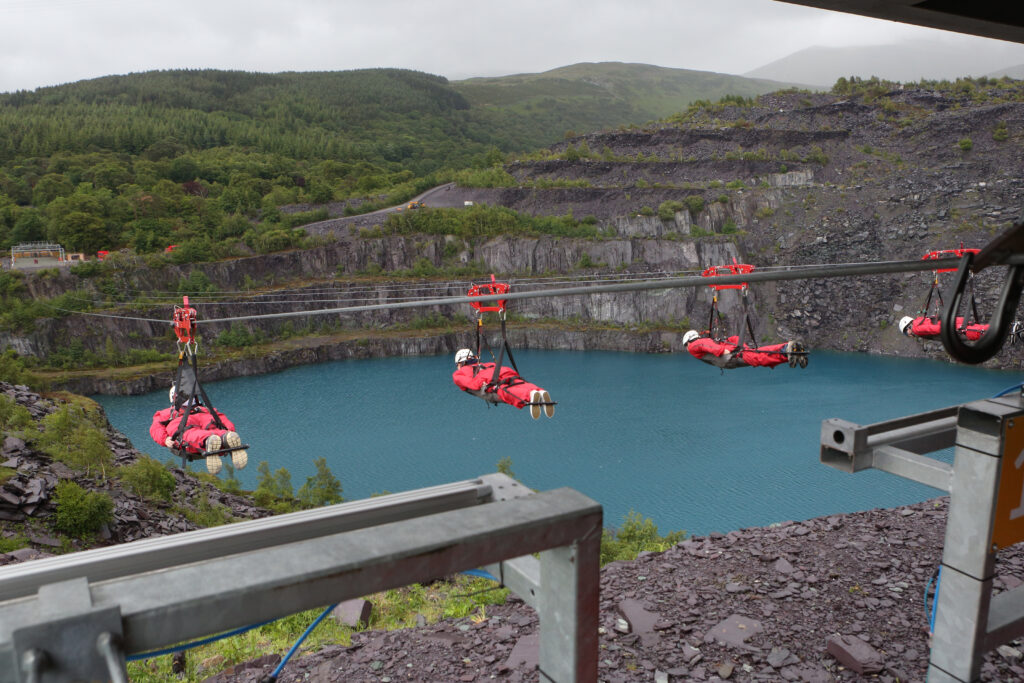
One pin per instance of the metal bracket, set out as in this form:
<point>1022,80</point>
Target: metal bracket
<point>56,649</point>
<point>1010,242</point>
<point>894,446</point>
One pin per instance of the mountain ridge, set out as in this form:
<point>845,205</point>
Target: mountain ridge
<point>821,66</point>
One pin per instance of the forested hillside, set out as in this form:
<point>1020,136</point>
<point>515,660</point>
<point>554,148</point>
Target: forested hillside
<point>204,159</point>
<point>588,97</point>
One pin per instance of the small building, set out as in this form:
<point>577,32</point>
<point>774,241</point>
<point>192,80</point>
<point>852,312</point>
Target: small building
<point>32,255</point>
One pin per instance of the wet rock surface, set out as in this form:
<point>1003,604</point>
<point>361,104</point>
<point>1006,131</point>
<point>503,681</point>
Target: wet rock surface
<point>837,598</point>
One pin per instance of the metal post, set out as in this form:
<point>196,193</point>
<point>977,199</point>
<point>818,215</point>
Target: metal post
<point>986,513</point>
<point>963,631</point>
<point>568,607</point>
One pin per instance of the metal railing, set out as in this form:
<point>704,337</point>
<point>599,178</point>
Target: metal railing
<point>986,512</point>
<point>76,617</point>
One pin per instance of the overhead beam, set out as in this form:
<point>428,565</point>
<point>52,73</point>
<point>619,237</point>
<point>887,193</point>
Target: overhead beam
<point>985,18</point>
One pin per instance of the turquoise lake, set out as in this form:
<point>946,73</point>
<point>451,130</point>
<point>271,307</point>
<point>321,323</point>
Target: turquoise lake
<point>665,435</point>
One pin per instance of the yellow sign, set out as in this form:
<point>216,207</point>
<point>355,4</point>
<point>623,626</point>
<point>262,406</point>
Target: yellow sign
<point>1009,523</point>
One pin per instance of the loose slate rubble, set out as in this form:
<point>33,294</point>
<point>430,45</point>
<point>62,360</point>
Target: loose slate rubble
<point>854,653</point>
<point>856,579</point>
<point>352,613</point>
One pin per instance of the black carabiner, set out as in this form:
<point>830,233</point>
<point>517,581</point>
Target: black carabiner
<point>999,326</point>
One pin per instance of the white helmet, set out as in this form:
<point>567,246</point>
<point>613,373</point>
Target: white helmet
<point>464,356</point>
<point>689,337</point>
<point>904,323</point>
<point>170,395</point>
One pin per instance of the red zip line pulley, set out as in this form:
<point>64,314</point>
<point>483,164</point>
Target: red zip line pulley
<point>185,322</point>
<point>728,269</point>
<point>488,289</point>
<point>946,253</point>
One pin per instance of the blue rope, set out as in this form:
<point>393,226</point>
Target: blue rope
<point>1007,390</point>
<point>935,601</point>
<point>196,643</point>
<point>206,641</point>
<point>274,674</point>
<point>481,574</point>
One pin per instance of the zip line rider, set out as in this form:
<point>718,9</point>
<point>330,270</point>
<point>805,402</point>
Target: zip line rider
<point>928,322</point>
<point>721,350</point>
<point>494,382</point>
<point>191,426</point>
<point>478,379</point>
<point>200,434</point>
<point>926,326</point>
<point>722,354</point>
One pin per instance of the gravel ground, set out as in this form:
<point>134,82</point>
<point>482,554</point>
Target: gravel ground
<point>773,604</point>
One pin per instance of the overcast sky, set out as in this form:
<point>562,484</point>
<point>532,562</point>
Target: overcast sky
<point>48,42</point>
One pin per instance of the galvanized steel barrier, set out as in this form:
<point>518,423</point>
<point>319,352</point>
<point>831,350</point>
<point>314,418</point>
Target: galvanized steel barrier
<point>77,616</point>
<point>986,512</point>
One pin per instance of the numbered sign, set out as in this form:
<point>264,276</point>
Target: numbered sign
<point>1009,524</point>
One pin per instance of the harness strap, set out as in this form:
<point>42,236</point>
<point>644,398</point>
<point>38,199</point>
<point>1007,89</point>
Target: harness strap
<point>746,318</point>
<point>504,340</point>
<point>206,399</point>
<point>711,320</point>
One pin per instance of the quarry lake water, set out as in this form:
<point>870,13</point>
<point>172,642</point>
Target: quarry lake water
<point>674,439</point>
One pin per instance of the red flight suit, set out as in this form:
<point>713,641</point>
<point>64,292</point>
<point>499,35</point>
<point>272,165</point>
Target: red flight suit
<point>512,389</point>
<point>932,327</point>
<point>764,356</point>
<point>198,427</point>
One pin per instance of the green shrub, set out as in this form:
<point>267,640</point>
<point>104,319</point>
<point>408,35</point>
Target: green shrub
<point>587,262</point>
<point>1000,134</point>
<point>321,489</point>
<point>87,269</point>
<point>70,436</point>
<point>195,283</point>
<point>637,534</point>
<point>206,514</point>
<point>729,227</point>
<point>817,155</point>
<point>965,144</point>
<point>239,336</point>
<point>735,185</point>
<point>695,203</point>
<point>646,211</point>
<point>274,490</point>
<point>275,240</point>
<point>148,478</point>
<point>667,209</point>
<point>81,512</point>
<point>12,416</point>
<point>8,545</point>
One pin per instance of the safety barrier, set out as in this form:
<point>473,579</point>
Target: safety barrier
<point>77,616</point>
<point>986,512</point>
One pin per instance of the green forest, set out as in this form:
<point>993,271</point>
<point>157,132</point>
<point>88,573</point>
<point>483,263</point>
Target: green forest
<point>205,159</point>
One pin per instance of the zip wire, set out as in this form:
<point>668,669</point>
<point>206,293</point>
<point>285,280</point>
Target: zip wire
<point>779,273</point>
<point>785,273</point>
